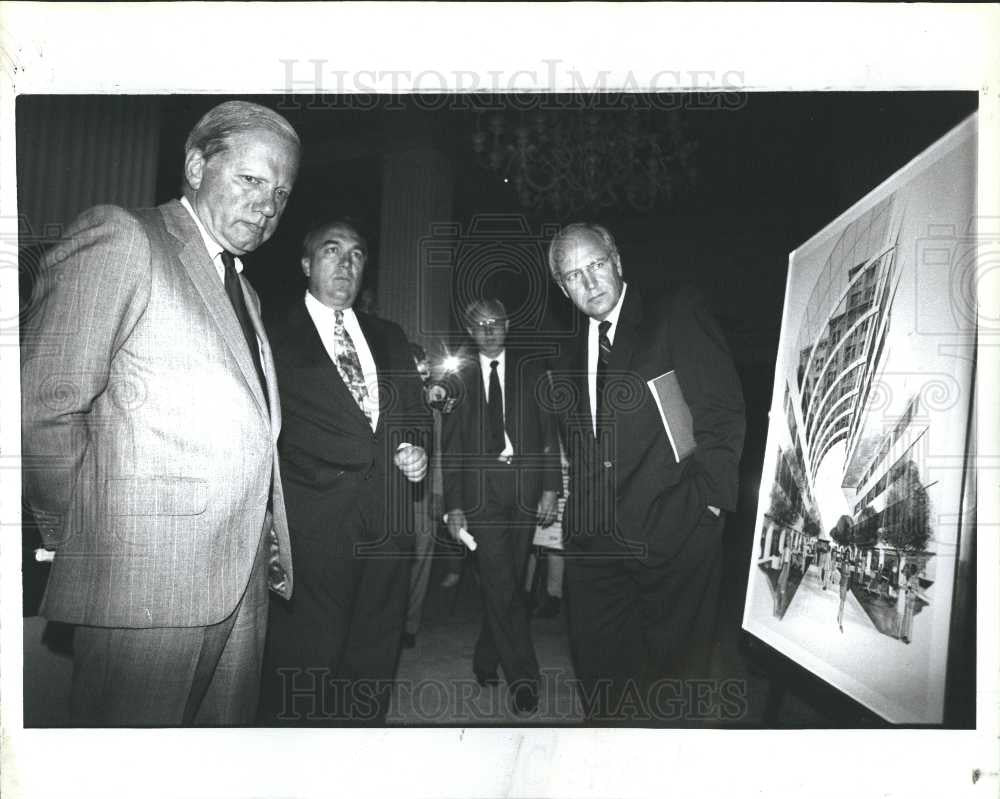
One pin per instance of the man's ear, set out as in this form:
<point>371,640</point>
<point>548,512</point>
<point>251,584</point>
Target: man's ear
<point>562,288</point>
<point>305,267</point>
<point>194,167</point>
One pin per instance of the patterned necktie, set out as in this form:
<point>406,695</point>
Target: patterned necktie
<point>235,293</point>
<point>494,413</point>
<point>603,355</point>
<point>349,365</point>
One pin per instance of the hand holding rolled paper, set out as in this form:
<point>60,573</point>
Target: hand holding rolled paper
<point>455,519</point>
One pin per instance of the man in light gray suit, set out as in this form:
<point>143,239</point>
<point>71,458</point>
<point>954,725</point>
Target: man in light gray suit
<point>150,417</point>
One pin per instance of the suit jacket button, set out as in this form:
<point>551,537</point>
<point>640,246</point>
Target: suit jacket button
<point>608,464</point>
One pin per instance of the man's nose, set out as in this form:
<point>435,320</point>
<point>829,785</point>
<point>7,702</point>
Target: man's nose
<point>266,204</point>
<point>589,279</point>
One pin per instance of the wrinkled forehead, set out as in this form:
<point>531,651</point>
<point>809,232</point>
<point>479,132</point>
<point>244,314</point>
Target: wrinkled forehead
<point>262,141</point>
<point>344,235</point>
<point>581,246</point>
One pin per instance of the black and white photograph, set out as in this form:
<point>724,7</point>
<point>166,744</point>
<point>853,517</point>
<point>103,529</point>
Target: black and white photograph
<point>462,411</point>
<point>453,207</point>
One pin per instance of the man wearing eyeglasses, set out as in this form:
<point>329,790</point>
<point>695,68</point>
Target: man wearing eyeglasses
<point>501,478</point>
<point>644,531</point>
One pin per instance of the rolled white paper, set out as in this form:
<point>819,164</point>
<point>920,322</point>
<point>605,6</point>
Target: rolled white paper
<point>467,539</point>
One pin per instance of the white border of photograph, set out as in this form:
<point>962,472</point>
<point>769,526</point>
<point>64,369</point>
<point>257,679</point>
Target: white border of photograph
<point>254,48</point>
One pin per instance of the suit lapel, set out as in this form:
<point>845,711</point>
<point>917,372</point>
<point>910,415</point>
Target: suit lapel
<point>626,335</point>
<point>474,381</point>
<point>511,399</point>
<point>315,355</point>
<point>312,352</point>
<point>381,357</point>
<point>578,373</point>
<point>620,377</point>
<point>375,343</point>
<point>190,251</point>
<point>267,361</point>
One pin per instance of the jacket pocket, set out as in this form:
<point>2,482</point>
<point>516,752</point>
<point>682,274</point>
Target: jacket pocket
<point>157,496</point>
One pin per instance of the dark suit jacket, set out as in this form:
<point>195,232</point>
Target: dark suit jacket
<point>628,481</point>
<point>465,464</point>
<point>147,437</point>
<point>341,485</point>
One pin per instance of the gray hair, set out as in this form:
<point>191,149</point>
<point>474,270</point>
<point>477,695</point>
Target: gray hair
<point>212,133</point>
<point>559,243</point>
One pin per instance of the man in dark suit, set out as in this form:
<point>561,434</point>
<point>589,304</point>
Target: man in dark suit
<point>644,548</point>
<point>150,420</point>
<point>352,450</point>
<point>501,478</point>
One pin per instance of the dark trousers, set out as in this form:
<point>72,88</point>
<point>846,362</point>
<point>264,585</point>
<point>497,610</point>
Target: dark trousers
<point>332,650</point>
<point>642,631</point>
<point>170,676</point>
<point>504,531</point>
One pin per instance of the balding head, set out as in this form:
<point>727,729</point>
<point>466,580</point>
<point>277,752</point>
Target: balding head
<point>214,131</point>
<point>240,163</point>
<point>584,261</point>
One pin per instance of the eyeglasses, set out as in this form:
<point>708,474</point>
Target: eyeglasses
<point>489,325</point>
<point>574,277</point>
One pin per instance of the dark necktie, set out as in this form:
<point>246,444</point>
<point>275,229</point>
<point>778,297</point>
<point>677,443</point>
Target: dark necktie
<point>235,292</point>
<point>494,413</point>
<point>349,364</point>
<point>603,355</point>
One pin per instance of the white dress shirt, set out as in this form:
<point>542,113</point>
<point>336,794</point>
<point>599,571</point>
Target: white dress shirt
<point>323,318</point>
<point>593,348</point>
<point>485,369</point>
<point>215,251</point>
<point>214,248</point>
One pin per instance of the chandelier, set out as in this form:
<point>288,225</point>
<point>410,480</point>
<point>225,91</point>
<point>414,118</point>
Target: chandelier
<point>569,161</point>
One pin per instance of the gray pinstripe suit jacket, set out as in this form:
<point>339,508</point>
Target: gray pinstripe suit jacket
<point>148,447</point>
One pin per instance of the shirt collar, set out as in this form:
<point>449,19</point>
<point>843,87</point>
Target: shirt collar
<point>318,307</point>
<point>613,316</point>
<point>213,247</point>
<point>485,361</point>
